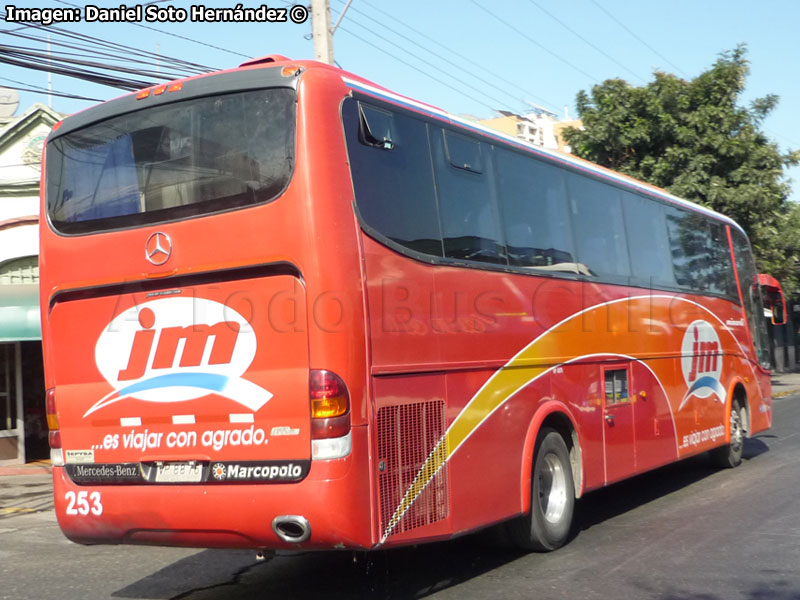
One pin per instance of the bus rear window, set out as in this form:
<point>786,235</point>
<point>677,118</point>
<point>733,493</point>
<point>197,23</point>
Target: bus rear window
<point>174,161</point>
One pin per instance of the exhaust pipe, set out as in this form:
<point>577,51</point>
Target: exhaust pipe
<point>293,529</point>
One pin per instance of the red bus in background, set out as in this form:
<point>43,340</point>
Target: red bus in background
<point>286,308</point>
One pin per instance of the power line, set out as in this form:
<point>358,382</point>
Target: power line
<point>645,44</point>
<point>97,52</point>
<point>453,52</point>
<point>408,64</point>
<point>579,36</point>
<point>533,41</point>
<point>175,35</point>
<point>108,45</point>
<point>448,61</point>
<point>39,89</point>
<point>428,63</point>
<point>46,58</point>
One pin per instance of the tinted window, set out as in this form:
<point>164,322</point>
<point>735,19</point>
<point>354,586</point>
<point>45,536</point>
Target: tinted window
<point>723,280</point>
<point>751,294</point>
<point>467,208</point>
<point>598,227</point>
<point>533,200</point>
<point>463,152</point>
<point>393,182</point>
<point>690,247</point>
<point>172,161</point>
<point>647,239</point>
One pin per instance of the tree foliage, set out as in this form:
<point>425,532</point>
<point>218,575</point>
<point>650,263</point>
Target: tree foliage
<point>694,139</point>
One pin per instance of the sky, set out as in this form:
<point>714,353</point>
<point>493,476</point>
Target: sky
<point>475,56</point>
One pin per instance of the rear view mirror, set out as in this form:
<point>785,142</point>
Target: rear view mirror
<point>774,299</point>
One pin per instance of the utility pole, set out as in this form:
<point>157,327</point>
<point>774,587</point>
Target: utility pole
<point>321,30</point>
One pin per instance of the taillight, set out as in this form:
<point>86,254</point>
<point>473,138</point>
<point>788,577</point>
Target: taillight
<point>329,397</point>
<point>330,415</point>
<point>54,437</point>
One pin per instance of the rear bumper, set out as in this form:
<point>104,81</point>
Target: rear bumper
<point>334,498</point>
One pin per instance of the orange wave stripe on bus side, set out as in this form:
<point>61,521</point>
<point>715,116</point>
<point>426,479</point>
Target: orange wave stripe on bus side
<point>642,326</point>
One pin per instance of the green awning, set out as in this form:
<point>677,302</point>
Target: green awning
<point>19,313</point>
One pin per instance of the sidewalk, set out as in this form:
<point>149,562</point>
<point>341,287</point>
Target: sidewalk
<point>39,467</point>
<point>784,384</point>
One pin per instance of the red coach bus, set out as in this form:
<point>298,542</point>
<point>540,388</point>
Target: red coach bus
<point>286,308</point>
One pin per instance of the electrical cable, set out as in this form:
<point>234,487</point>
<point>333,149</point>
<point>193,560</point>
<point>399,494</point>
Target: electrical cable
<point>453,52</point>
<point>436,79</point>
<point>448,61</point>
<point>533,41</point>
<point>41,89</point>
<point>175,35</point>
<point>424,61</point>
<point>646,45</point>
<point>579,36</point>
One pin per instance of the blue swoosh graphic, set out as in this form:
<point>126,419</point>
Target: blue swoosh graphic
<point>237,389</point>
<point>212,382</point>
<point>705,383</point>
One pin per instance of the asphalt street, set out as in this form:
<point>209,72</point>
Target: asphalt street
<point>687,531</point>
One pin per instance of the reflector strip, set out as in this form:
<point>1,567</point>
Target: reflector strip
<point>183,420</point>
<point>242,418</point>
<point>130,421</point>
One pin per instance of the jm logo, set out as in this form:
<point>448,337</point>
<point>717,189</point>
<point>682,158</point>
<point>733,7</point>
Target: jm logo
<point>701,362</point>
<point>195,338</point>
<point>704,356</point>
<point>158,248</point>
<point>177,349</point>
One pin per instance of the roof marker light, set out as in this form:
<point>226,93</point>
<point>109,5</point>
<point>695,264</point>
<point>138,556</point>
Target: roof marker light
<point>160,90</point>
<point>143,94</point>
<point>291,71</point>
<point>175,87</point>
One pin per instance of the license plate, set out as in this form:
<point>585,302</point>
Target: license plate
<point>179,472</point>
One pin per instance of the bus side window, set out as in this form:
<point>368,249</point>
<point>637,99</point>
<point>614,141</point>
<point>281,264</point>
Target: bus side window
<point>616,386</point>
<point>376,127</point>
<point>467,207</point>
<point>533,201</point>
<point>723,280</point>
<point>651,262</point>
<point>393,186</point>
<point>599,228</point>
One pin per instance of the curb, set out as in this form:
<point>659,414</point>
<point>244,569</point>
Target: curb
<point>786,393</point>
<point>23,470</point>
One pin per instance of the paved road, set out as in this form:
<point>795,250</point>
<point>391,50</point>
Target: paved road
<point>686,531</point>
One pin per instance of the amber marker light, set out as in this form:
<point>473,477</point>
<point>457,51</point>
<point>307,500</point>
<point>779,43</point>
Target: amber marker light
<point>159,90</point>
<point>143,94</point>
<point>175,87</point>
<point>290,71</point>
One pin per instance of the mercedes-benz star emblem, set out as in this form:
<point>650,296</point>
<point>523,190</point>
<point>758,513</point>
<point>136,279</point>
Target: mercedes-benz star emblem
<point>158,248</point>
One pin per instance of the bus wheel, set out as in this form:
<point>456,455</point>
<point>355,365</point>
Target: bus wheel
<point>547,524</point>
<point>730,455</point>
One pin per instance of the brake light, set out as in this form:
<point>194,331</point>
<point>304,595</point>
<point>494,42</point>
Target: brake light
<point>329,397</point>
<point>54,437</point>
<point>330,405</point>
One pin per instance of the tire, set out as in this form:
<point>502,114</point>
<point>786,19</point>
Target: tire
<point>547,524</point>
<point>730,455</point>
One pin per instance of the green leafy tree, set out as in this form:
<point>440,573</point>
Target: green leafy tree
<point>694,139</point>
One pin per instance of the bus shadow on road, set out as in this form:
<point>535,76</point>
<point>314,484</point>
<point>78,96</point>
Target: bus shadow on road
<point>409,572</point>
<point>619,498</point>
